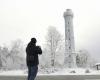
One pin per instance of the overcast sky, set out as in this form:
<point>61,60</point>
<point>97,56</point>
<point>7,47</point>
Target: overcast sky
<point>23,19</point>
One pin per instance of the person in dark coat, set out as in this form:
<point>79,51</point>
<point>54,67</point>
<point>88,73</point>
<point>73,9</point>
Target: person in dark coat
<point>32,60</point>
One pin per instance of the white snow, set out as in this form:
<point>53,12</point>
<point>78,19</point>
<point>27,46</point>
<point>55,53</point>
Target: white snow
<point>13,73</point>
<point>97,64</point>
<point>77,71</point>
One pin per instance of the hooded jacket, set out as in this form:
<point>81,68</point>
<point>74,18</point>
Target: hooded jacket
<point>32,52</point>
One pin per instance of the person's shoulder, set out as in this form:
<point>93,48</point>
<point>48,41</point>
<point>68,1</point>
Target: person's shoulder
<point>29,44</point>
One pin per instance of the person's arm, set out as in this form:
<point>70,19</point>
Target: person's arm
<point>27,49</point>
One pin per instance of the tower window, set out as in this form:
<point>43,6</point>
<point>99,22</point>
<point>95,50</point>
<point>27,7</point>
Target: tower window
<point>69,55</point>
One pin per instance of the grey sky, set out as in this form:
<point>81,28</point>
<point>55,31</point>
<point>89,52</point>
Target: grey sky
<point>27,18</point>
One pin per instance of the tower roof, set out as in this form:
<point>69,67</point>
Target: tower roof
<point>68,12</point>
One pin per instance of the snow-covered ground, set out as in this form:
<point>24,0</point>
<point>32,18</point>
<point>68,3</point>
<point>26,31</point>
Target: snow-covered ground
<point>13,73</point>
<point>77,71</point>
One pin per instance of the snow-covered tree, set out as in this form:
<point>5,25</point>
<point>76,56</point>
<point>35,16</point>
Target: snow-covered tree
<point>53,39</point>
<point>17,54</point>
<point>0,58</point>
<point>3,56</point>
<point>82,58</point>
<point>13,57</point>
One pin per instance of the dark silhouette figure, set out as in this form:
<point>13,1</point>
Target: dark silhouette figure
<point>32,60</point>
